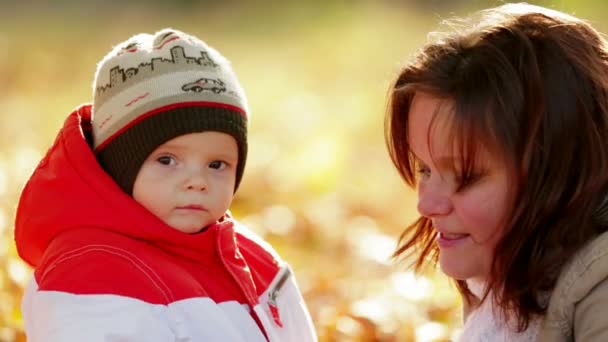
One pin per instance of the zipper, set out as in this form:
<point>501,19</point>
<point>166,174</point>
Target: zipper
<point>272,296</point>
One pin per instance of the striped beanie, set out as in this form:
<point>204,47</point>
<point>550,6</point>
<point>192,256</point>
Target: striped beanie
<point>153,88</point>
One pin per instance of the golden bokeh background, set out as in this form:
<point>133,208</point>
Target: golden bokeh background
<point>318,184</point>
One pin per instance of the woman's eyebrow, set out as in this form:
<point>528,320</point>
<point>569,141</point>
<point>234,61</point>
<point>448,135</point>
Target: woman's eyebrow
<point>441,162</point>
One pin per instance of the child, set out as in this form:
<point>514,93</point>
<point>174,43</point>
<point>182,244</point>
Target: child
<point>502,127</point>
<point>126,217</point>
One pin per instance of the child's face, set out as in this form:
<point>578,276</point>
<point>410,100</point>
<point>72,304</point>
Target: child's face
<point>188,182</point>
<point>469,220</point>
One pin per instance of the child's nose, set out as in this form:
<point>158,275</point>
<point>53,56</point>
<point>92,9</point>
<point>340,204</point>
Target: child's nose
<point>433,202</point>
<point>197,181</point>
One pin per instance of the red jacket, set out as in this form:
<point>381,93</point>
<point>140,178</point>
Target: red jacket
<point>93,246</point>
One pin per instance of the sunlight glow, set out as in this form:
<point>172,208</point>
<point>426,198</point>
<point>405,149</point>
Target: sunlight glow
<point>259,160</point>
<point>3,251</point>
<point>3,179</point>
<point>378,247</point>
<point>348,326</point>
<point>255,222</point>
<point>25,160</point>
<point>3,243</point>
<point>369,242</point>
<point>305,108</point>
<point>373,308</point>
<point>410,286</point>
<point>430,331</point>
<point>279,219</point>
<point>318,163</point>
<point>18,272</point>
<point>7,334</point>
<point>320,154</point>
<point>3,222</point>
<point>326,213</point>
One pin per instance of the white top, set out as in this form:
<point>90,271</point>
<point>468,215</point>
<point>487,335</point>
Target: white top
<point>486,323</point>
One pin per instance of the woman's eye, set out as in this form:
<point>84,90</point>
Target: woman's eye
<point>465,181</point>
<point>217,165</point>
<point>423,172</point>
<point>166,160</point>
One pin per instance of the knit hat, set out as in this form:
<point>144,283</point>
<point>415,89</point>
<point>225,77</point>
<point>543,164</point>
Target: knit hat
<point>153,88</point>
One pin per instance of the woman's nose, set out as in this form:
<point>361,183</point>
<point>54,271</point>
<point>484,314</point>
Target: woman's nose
<point>432,201</point>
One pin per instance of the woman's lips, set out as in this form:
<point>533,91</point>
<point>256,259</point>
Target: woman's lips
<point>446,240</point>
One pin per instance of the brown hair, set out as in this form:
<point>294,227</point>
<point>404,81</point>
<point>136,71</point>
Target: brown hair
<point>532,83</point>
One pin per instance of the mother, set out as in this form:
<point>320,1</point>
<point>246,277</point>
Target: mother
<point>502,127</point>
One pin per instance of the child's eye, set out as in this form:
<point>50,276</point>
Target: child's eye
<point>166,160</point>
<point>217,164</point>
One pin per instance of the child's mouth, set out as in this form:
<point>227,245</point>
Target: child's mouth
<point>192,207</point>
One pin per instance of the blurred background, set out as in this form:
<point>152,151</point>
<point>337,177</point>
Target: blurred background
<point>318,184</point>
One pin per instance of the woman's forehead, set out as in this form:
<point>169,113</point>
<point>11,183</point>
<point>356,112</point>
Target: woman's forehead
<point>433,134</point>
<point>429,122</point>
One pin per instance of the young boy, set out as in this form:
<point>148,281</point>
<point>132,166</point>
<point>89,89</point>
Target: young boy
<point>126,217</point>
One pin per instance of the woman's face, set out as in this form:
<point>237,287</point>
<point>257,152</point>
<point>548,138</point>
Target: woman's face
<point>469,219</point>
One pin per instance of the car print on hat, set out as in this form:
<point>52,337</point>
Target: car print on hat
<point>205,84</point>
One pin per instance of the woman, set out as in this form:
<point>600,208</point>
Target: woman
<point>502,127</point>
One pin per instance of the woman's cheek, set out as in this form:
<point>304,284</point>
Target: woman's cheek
<point>481,213</point>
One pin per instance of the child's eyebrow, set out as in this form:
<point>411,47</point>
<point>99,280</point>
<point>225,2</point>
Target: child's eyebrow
<point>170,147</point>
<point>224,155</point>
<point>220,154</point>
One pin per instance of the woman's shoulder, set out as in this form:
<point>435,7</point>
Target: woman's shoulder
<point>583,281</point>
<point>587,269</point>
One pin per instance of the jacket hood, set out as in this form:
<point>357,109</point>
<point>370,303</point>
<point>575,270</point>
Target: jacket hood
<point>69,191</point>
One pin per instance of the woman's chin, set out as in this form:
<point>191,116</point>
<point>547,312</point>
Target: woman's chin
<point>456,269</point>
